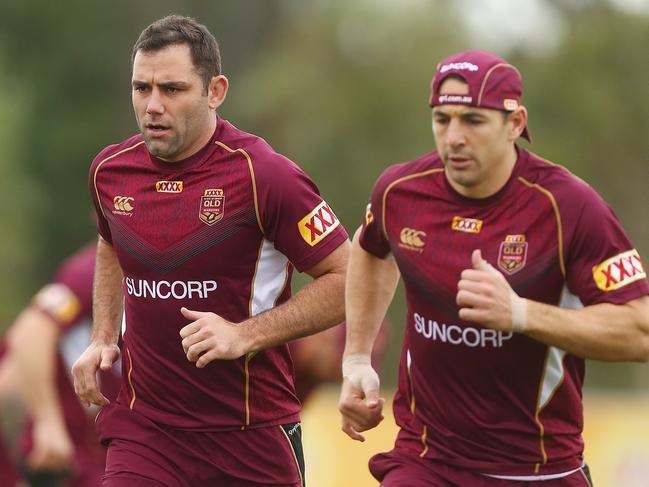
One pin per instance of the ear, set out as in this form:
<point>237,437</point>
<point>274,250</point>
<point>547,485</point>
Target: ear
<point>518,122</point>
<point>217,91</point>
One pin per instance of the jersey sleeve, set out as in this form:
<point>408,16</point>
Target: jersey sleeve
<point>102,224</point>
<point>602,265</point>
<point>299,222</point>
<point>373,237</point>
<point>67,299</point>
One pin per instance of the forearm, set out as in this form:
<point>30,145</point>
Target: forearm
<point>600,332</point>
<point>108,300</point>
<point>370,286</point>
<point>33,342</point>
<point>316,307</point>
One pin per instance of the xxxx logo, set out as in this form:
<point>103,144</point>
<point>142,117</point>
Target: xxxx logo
<point>412,239</point>
<point>619,271</point>
<point>169,186</point>
<point>123,205</point>
<point>468,225</point>
<point>319,223</point>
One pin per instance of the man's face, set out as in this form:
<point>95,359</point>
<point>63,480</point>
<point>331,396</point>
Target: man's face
<point>171,105</point>
<point>474,144</point>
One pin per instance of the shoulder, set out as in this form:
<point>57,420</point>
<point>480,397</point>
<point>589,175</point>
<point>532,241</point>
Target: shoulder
<point>79,266</point>
<point>69,295</point>
<point>265,163</point>
<point>113,151</point>
<point>428,165</point>
<point>563,186</point>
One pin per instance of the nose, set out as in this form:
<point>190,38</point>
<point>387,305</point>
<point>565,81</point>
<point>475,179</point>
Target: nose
<point>154,104</point>
<point>455,134</point>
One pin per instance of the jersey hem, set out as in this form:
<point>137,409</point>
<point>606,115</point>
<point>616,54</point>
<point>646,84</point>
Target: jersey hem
<point>197,425</point>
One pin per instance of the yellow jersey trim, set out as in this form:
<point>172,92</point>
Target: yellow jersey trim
<point>252,175</point>
<point>94,180</point>
<point>557,214</point>
<point>397,181</point>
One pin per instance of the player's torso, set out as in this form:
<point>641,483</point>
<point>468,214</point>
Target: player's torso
<point>495,375</point>
<point>190,237</point>
<point>187,237</point>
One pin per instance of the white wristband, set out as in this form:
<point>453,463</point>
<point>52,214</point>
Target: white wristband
<point>519,313</point>
<point>351,361</point>
<point>357,369</point>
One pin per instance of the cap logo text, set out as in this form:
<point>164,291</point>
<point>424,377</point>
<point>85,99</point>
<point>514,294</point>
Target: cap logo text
<point>455,99</point>
<point>463,66</point>
<point>510,104</point>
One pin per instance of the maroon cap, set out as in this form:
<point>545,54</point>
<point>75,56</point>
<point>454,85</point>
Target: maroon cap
<point>493,82</point>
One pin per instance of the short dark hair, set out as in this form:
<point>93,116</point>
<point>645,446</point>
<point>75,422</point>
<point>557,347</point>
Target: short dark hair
<point>177,29</point>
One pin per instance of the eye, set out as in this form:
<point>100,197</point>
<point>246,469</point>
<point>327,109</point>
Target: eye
<point>440,119</point>
<point>475,120</point>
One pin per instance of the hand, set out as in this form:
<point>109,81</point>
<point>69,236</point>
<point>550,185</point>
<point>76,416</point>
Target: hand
<point>360,404</point>
<point>97,356</point>
<point>53,449</point>
<point>485,297</point>
<point>210,337</point>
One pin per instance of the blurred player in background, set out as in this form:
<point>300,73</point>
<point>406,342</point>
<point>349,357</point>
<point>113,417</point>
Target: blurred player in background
<point>59,446</point>
<point>493,244</point>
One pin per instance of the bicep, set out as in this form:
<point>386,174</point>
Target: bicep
<point>333,263</point>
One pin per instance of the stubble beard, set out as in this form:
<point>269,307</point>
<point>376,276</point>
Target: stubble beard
<point>162,149</point>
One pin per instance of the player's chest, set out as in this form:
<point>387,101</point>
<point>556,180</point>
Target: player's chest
<point>163,210</point>
<point>437,238</point>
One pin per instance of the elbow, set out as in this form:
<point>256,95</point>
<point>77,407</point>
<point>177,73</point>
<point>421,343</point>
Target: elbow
<point>641,344</point>
<point>642,352</point>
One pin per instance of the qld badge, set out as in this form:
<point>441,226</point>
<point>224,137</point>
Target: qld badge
<point>512,254</point>
<point>212,205</point>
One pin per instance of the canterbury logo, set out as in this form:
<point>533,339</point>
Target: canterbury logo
<point>619,271</point>
<point>169,186</point>
<point>412,239</point>
<point>319,223</point>
<point>468,225</point>
<point>123,203</point>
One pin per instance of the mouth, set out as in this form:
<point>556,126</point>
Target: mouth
<point>459,162</point>
<point>157,129</point>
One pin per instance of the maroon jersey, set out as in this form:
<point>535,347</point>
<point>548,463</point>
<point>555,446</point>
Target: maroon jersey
<point>490,401</point>
<point>219,231</point>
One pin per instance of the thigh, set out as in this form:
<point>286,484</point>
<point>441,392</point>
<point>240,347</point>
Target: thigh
<point>138,450</point>
<point>398,468</point>
<point>262,456</point>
